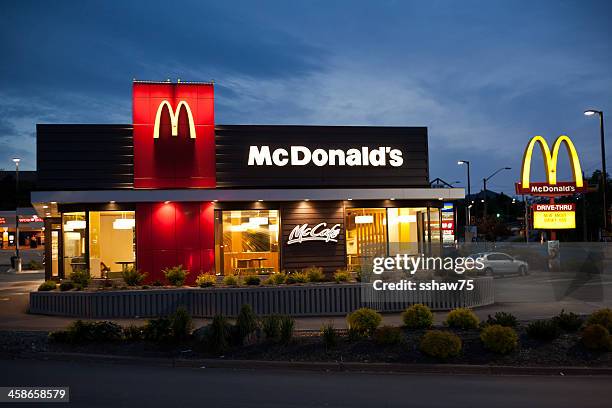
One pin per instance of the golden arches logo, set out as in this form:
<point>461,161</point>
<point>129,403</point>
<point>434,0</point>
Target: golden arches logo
<point>174,117</point>
<point>551,160</point>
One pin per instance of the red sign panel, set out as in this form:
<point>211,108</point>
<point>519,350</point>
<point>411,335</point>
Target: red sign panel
<point>174,138</point>
<point>561,188</point>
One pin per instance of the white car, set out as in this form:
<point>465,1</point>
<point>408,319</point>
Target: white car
<point>498,263</point>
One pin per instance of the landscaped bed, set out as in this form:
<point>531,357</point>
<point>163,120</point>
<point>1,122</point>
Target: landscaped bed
<point>561,341</point>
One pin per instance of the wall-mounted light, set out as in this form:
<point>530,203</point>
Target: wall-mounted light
<point>76,224</point>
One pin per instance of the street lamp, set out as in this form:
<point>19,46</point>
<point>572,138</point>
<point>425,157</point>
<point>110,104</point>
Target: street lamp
<point>484,182</point>
<point>604,176</point>
<point>469,192</point>
<point>17,263</point>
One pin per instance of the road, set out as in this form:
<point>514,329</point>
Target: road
<point>132,386</point>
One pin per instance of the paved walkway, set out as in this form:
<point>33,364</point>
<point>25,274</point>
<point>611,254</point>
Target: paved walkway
<point>539,295</point>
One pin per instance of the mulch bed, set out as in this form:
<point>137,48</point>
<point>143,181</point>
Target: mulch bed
<point>563,351</point>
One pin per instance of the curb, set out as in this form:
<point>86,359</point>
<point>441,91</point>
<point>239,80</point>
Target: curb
<point>389,368</point>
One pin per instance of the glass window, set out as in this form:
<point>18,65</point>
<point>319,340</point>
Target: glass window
<point>246,241</point>
<point>111,242</point>
<point>366,234</point>
<point>405,227</point>
<point>74,227</point>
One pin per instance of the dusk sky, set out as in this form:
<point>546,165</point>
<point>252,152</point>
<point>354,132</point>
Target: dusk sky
<point>483,76</point>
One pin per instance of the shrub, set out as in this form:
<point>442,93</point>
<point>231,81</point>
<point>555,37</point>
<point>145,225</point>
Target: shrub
<point>158,330</point>
<point>499,339</point>
<point>545,330</point>
<point>157,282</point>
<point>277,278</point>
<point>314,274</point>
<point>287,326</point>
<point>417,317</point>
<point>342,275</point>
<point>462,318</point>
<point>88,332</point>
<point>132,276</point>
<point>502,319</point>
<point>176,275</point>
<point>387,336</point>
<point>132,333</point>
<point>66,285</point>
<point>206,280</point>
<point>47,285</point>
<point>231,280</point>
<point>252,280</point>
<point>181,324</point>
<point>364,321</point>
<point>219,334</point>
<point>246,323</point>
<point>601,316</point>
<point>440,344</point>
<point>329,336</point>
<point>80,278</point>
<point>270,325</point>
<point>570,322</point>
<point>596,337</point>
<point>34,265</point>
<point>296,277</point>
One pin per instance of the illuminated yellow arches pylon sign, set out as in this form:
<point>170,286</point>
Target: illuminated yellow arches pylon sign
<point>174,117</point>
<point>551,187</point>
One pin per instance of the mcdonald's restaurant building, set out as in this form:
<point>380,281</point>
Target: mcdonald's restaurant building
<point>174,188</point>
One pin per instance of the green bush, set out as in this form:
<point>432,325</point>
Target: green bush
<point>462,318</point>
<point>569,322</point>
<point>246,323</point>
<point>66,285</point>
<point>287,327</point>
<point>417,317</point>
<point>329,336</point>
<point>181,324</point>
<point>270,325</point>
<point>388,336</point>
<point>34,265</point>
<point>252,280</point>
<point>440,344</point>
<point>545,330</point>
<point>314,274</point>
<point>296,277</point>
<point>231,280</point>
<point>80,332</point>
<point>132,276</point>
<point>601,316</point>
<point>596,337</point>
<point>157,282</point>
<point>80,278</point>
<point>47,285</point>
<point>342,275</point>
<point>277,278</point>
<point>364,321</point>
<point>132,333</point>
<point>499,339</point>
<point>219,334</point>
<point>158,330</point>
<point>206,280</point>
<point>502,319</point>
<point>176,275</point>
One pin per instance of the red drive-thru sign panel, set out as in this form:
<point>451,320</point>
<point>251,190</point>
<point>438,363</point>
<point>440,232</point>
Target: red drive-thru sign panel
<point>174,139</point>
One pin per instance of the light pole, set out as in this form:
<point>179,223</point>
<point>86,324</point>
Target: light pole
<point>17,264</point>
<point>484,182</point>
<point>469,191</point>
<point>604,176</point>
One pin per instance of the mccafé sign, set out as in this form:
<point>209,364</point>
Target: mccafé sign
<point>551,187</point>
<point>303,156</point>
<point>320,232</point>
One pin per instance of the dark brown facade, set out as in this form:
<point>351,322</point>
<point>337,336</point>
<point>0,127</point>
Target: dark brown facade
<point>328,255</point>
